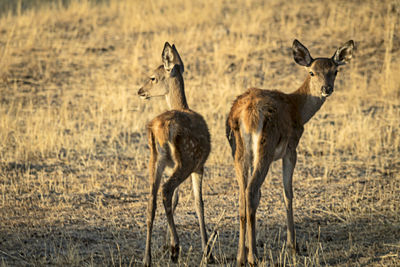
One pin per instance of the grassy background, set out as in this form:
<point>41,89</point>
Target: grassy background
<point>73,146</point>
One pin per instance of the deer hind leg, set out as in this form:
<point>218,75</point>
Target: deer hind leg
<point>253,195</point>
<point>263,156</point>
<point>197,178</point>
<point>156,169</point>
<point>242,165</point>
<point>181,171</point>
<point>168,188</point>
<point>175,200</point>
<point>288,164</point>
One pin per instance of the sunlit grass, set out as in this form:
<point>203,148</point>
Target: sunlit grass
<point>73,149</point>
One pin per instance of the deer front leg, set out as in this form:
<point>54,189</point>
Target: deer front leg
<point>199,205</point>
<point>156,170</point>
<point>288,164</point>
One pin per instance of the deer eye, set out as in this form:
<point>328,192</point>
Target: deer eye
<point>153,79</point>
<point>311,73</point>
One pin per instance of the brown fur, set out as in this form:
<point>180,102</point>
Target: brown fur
<point>185,129</point>
<point>179,139</point>
<point>266,125</point>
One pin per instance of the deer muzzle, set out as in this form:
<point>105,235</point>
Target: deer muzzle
<point>143,94</point>
<point>326,90</point>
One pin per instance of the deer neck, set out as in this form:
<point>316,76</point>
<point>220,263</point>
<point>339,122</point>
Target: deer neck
<point>176,98</point>
<point>307,101</point>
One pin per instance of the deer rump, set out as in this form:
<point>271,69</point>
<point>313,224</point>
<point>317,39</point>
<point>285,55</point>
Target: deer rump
<point>265,112</point>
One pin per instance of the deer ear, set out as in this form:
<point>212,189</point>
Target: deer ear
<point>178,59</point>
<point>175,70</point>
<point>167,57</point>
<point>344,54</point>
<point>301,54</point>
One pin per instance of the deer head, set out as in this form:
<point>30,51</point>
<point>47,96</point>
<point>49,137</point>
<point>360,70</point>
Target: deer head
<point>165,76</point>
<point>322,71</point>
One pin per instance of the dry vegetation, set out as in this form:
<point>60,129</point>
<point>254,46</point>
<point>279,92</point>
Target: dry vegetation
<point>73,150</point>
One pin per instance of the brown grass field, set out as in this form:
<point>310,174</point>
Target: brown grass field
<point>73,145</point>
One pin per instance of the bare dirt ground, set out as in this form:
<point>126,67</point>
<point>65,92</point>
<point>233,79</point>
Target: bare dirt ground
<point>73,145</point>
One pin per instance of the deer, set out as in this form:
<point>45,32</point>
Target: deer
<point>266,125</point>
<point>179,140</point>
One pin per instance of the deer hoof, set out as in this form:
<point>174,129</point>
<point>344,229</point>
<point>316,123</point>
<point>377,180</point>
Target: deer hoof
<point>147,261</point>
<point>174,253</point>
<point>210,259</point>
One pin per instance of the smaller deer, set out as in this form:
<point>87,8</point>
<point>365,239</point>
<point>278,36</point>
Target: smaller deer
<point>178,139</point>
<point>266,125</point>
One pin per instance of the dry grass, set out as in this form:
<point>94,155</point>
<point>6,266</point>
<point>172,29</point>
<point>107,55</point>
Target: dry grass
<point>73,151</point>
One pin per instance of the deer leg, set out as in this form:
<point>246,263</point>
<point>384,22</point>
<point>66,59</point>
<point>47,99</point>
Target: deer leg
<point>175,199</point>
<point>197,178</point>
<point>156,170</point>
<point>241,256</point>
<point>288,164</point>
<point>242,170</point>
<point>168,188</point>
<point>197,191</point>
<point>253,195</point>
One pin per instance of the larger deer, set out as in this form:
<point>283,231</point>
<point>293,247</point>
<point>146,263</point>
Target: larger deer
<point>266,125</point>
<point>178,139</point>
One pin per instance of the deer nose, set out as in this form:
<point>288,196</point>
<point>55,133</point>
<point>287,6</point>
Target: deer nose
<point>141,92</point>
<point>327,90</point>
